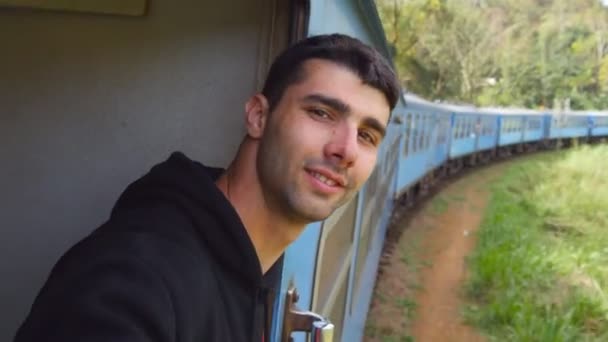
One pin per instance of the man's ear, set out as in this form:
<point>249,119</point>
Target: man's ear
<point>256,115</point>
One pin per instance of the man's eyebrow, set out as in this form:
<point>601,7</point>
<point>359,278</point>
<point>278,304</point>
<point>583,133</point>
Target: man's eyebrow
<point>343,108</point>
<point>330,102</point>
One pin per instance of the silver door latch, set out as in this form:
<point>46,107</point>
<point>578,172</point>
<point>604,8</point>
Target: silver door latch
<point>294,319</point>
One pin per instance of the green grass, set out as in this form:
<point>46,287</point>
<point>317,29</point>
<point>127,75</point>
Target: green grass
<point>540,268</point>
<point>408,305</point>
<point>439,205</point>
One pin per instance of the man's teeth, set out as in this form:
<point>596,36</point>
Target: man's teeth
<point>323,179</point>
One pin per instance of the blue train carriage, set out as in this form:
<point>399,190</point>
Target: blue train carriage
<point>333,264</point>
<point>465,124</point>
<point>513,131</point>
<point>424,146</point>
<point>599,125</point>
<point>576,126</point>
<point>534,131</point>
<point>566,127</point>
<point>487,135</point>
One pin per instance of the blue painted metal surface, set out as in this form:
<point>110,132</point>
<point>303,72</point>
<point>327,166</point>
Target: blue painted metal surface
<point>440,139</point>
<point>599,124</point>
<point>298,269</point>
<point>534,128</point>
<point>488,132</point>
<point>464,138</point>
<point>511,130</point>
<point>425,142</point>
<point>600,131</point>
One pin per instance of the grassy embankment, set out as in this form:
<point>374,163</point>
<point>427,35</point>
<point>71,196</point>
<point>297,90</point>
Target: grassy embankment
<point>540,268</point>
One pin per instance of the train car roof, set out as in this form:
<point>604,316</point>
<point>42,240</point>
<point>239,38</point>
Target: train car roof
<point>411,98</point>
<point>510,111</point>
<point>586,113</point>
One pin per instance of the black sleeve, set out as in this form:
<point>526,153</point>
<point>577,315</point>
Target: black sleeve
<point>97,296</point>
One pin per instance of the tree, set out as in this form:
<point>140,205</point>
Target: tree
<point>501,52</point>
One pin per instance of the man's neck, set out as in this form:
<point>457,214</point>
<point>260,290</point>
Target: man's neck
<point>269,231</point>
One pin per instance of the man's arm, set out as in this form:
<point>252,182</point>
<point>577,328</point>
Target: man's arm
<point>114,296</point>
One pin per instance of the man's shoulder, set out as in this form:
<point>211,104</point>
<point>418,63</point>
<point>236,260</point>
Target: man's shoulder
<point>172,257</point>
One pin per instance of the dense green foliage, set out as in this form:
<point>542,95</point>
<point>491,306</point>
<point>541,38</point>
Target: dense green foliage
<point>531,53</point>
<point>539,269</point>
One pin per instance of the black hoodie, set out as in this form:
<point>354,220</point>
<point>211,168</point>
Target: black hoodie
<point>173,263</point>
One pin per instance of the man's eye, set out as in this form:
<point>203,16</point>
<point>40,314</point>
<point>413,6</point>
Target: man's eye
<point>367,137</point>
<point>319,112</point>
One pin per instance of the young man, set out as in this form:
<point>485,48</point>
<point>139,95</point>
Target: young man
<point>188,251</point>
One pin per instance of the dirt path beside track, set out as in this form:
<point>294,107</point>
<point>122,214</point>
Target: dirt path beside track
<point>418,295</point>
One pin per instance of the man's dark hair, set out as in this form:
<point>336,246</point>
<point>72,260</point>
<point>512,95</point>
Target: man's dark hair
<point>364,61</point>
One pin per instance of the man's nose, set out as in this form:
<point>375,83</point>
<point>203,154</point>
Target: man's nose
<point>343,147</point>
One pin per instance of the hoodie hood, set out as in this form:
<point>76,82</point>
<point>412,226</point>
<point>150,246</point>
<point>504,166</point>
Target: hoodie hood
<point>189,185</point>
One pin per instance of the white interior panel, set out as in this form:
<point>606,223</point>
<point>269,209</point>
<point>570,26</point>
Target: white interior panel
<point>88,103</point>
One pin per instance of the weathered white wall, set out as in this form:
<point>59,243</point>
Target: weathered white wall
<point>90,102</point>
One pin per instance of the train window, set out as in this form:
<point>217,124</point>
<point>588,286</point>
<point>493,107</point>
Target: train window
<point>415,127</point>
<point>489,126</point>
<point>470,126</point>
<point>442,130</point>
<point>408,133</point>
<point>462,128</point>
<point>335,255</point>
<point>427,136</point>
<point>439,123</point>
<point>429,130</point>
<point>534,124</point>
<point>425,128</point>
<point>422,132</point>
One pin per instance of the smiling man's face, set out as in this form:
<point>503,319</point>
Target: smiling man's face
<point>320,143</point>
